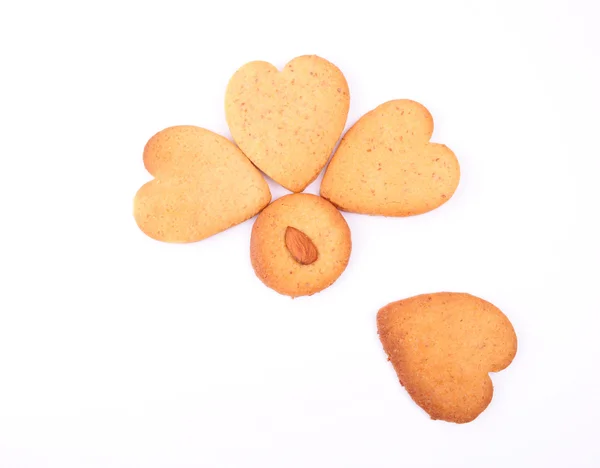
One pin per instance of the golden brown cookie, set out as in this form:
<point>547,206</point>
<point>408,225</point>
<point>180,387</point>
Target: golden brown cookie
<point>300,245</point>
<point>443,347</point>
<point>288,122</point>
<point>385,164</point>
<point>203,184</point>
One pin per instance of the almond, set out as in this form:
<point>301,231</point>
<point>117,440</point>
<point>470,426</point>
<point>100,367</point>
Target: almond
<point>300,246</point>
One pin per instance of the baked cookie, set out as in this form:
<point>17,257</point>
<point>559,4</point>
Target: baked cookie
<point>385,164</point>
<point>203,184</point>
<point>443,346</point>
<point>300,245</point>
<point>288,122</point>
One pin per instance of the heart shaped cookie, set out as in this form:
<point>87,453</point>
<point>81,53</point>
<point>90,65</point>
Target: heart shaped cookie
<point>203,185</point>
<point>443,346</point>
<point>385,164</point>
<point>288,122</point>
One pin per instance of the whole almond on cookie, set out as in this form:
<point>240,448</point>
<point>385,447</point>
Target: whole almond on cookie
<point>288,122</point>
<point>386,165</point>
<point>443,346</point>
<point>203,184</point>
<point>300,246</point>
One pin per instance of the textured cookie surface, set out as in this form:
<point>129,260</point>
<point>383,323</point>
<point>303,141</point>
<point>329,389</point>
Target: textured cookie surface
<point>288,122</point>
<point>271,241</point>
<point>203,184</point>
<point>385,164</point>
<point>443,346</point>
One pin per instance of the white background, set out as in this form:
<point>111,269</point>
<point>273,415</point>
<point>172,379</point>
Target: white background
<point>120,351</point>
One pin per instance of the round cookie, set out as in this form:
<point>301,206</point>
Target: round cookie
<point>288,122</point>
<point>385,164</point>
<point>203,184</point>
<point>443,346</point>
<point>300,245</point>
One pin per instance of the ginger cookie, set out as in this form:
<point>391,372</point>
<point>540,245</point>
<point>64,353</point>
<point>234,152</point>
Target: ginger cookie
<point>386,165</point>
<point>443,346</point>
<point>203,184</point>
<point>288,122</point>
<point>300,245</point>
